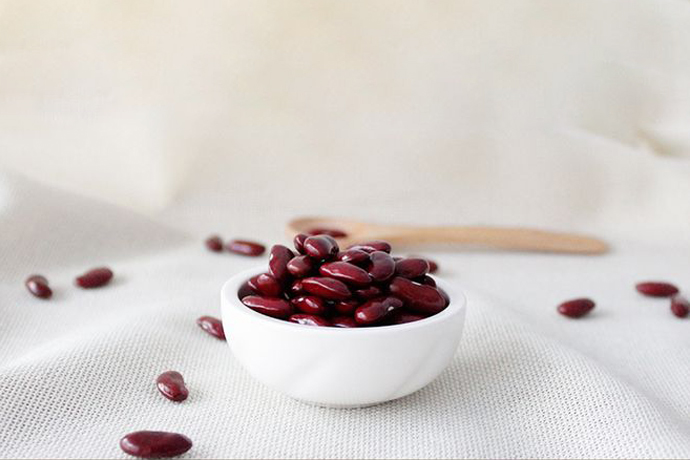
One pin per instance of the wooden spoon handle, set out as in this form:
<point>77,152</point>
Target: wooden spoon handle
<point>519,239</point>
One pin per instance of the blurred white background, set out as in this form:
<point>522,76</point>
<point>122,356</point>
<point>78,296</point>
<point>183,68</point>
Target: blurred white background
<point>565,115</point>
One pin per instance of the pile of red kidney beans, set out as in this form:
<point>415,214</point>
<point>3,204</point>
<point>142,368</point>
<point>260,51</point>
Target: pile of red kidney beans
<point>320,285</point>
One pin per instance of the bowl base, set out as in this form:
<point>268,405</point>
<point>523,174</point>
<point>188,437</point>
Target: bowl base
<point>338,406</point>
<point>349,406</point>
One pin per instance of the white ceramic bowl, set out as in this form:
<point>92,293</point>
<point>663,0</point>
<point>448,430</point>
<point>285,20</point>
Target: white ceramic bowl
<point>340,367</point>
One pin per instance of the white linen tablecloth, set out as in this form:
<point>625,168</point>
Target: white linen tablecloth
<point>77,372</point>
<point>131,131</point>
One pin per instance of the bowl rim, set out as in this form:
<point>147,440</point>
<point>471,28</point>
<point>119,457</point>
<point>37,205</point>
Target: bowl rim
<point>229,297</point>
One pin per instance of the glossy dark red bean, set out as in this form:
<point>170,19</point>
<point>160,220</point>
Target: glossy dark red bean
<point>212,325</point>
<point>426,279</point>
<point>354,256</point>
<point>418,298</point>
<point>375,311</point>
<point>310,304</point>
<point>402,317</point>
<point>321,247</point>
<point>277,308</point>
<point>252,282</point>
<point>245,290</point>
<point>369,292</point>
<point>346,307</point>
<point>277,262</point>
<point>298,241</point>
<point>445,295</point>
<point>382,266</point>
<point>576,308</point>
<point>300,266</point>
<point>214,243</point>
<point>343,321</point>
<point>346,272</point>
<point>309,320</point>
<point>171,385</point>
<point>371,246</point>
<point>680,306</point>
<point>656,289</point>
<point>245,248</point>
<point>38,278</point>
<point>95,278</point>
<point>38,286</point>
<point>334,232</point>
<point>296,288</point>
<point>411,268</point>
<point>433,266</point>
<point>265,284</point>
<point>328,288</point>
<point>155,444</point>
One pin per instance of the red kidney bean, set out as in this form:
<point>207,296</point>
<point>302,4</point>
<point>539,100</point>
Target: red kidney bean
<point>429,281</point>
<point>369,292</point>
<point>300,266</point>
<point>212,325</point>
<point>343,321</point>
<point>94,278</point>
<point>245,290</point>
<point>214,243</point>
<point>277,263</point>
<point>346,307</point>
<point>321,247</point>
<point>346,272</point>
<point>418,298</point>
<point>296,288</point>
<point>252,282</point>
<point>245,248</point>
<point>38,286</point>
<point>411,268</point>
<point>433,266</point>
<point>656,289</point>
<point>446,298</point>
<point>309,320</point>
<point>171,385</point>
<point>334,232</point>
<point>576,308</point>
<point>354,256</point>
<point>371,246</point>
<point>267,285</point>
<point>402,317</point>
<point>277,308</point>
<point>328,288</point>
<point>309,304</point>
<point>375,311</point>
<point>382,266</point>
<point>298,241</point>
<point>155,444</point>
<point>680,306</point>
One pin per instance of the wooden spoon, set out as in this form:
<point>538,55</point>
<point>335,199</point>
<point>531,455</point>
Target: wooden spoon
<point>517,239</point>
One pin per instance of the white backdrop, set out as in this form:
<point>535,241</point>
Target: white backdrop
<point>129,131</point>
